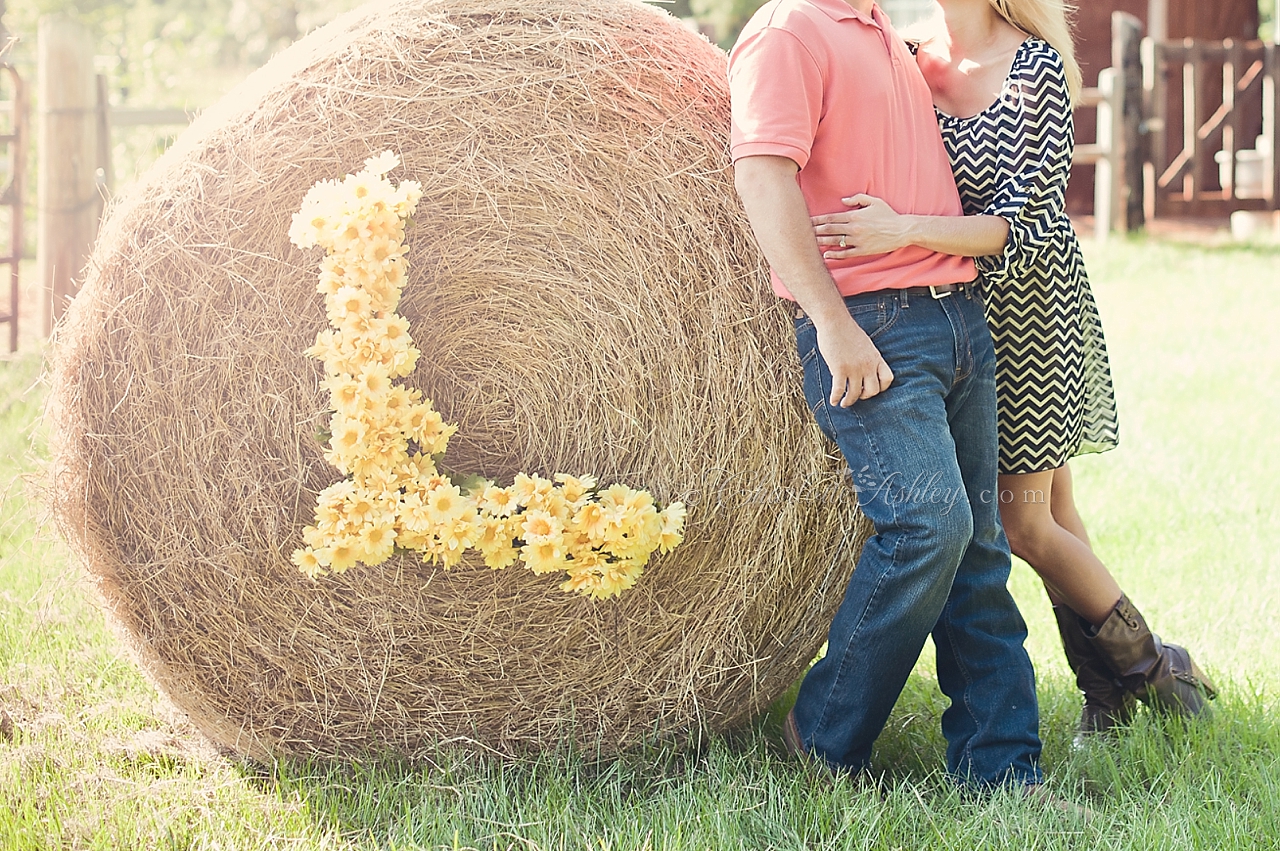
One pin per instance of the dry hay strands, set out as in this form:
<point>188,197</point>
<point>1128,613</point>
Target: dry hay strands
<point>588,299</point>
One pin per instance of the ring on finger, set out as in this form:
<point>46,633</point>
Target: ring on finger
<point>844,241</point>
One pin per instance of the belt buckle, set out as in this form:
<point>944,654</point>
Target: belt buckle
<point>933,291</point>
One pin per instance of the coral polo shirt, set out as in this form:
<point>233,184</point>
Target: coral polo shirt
<point>839,93</point>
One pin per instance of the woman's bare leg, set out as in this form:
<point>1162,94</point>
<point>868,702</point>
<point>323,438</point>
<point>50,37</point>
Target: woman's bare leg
<point>1059,554</point>
<point>1062,504</point>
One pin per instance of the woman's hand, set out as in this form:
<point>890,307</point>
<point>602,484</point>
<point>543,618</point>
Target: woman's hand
<point>871,227</point>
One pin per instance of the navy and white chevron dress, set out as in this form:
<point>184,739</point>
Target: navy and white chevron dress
<point>1053,381</point>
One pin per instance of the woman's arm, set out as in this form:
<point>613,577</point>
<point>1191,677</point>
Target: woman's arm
<point>874,228</point>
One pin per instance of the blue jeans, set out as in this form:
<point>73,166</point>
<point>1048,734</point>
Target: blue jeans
<point>923,457</point>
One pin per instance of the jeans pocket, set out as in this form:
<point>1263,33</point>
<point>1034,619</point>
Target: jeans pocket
<point>876,317</point>
<point>806,339</point>
<point>816,398</point>
<point>817,381</point>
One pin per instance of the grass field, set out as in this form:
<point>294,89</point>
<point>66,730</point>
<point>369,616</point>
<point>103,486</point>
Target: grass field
<point>1185,512</point>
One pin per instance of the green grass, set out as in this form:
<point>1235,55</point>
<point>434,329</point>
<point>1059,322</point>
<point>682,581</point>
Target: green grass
<point>1183,512</point>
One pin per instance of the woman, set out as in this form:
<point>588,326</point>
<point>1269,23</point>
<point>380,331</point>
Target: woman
<point>1003,78</point>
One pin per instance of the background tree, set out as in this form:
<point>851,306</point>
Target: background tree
<point>727,17</point>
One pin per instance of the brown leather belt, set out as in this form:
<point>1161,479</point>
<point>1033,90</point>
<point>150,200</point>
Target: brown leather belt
<point>920,292</point>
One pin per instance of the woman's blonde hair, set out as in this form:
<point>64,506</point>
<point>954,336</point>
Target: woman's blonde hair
<point>1048,20</point>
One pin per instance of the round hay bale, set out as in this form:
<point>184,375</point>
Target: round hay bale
<point>587,297</point>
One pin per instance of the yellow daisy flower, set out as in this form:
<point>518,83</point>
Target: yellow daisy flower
<point>460,535</point>
<point>346,438</point>
<point>325,347</point>
<point>306,561</point>
<point>446,504</point>
<point>499,502</point>
<point>344,392</point>
<point>500,557</point>
<point>638,501</point>
<point>376,542</point>
<point>546,556</point>
<point>672,534</point>
<point>614,495</point>
<point>575,488</point>
<point>346,303</point>
<point>383,163</point>
<point>340,555</point>
<point>374,382</point>
<point>591,520</point>
<point>540,526</point>
<point>397,404</point>
<point>555,504</point>
<point>530,490</point>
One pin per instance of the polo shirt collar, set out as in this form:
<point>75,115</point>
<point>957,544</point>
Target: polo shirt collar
<point>839,10</point>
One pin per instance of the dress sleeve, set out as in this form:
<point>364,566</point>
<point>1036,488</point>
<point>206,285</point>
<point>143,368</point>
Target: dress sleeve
<point>1035,141</point>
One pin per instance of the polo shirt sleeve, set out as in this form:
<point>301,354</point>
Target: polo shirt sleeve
<point>775,87</point>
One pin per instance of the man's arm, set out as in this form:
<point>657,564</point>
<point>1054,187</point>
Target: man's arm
<point>780,219</point>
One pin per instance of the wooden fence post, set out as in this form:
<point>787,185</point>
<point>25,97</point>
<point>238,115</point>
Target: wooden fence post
<point>1155,103</point>
<point>1107,165</point>
<point>1154,107</point>
<point>1126,56</point>
<point>1271,122</point>
<point>1158,19</point>
<point>66,190</point>
<point>104,174</point>
<point>13,195</point>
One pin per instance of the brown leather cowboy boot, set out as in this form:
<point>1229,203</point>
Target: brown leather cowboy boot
<point>1161,675</point>
<point>1106,703</point>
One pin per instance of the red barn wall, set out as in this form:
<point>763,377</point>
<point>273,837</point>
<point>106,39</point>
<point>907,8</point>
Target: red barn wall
<point>1215,19</point>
